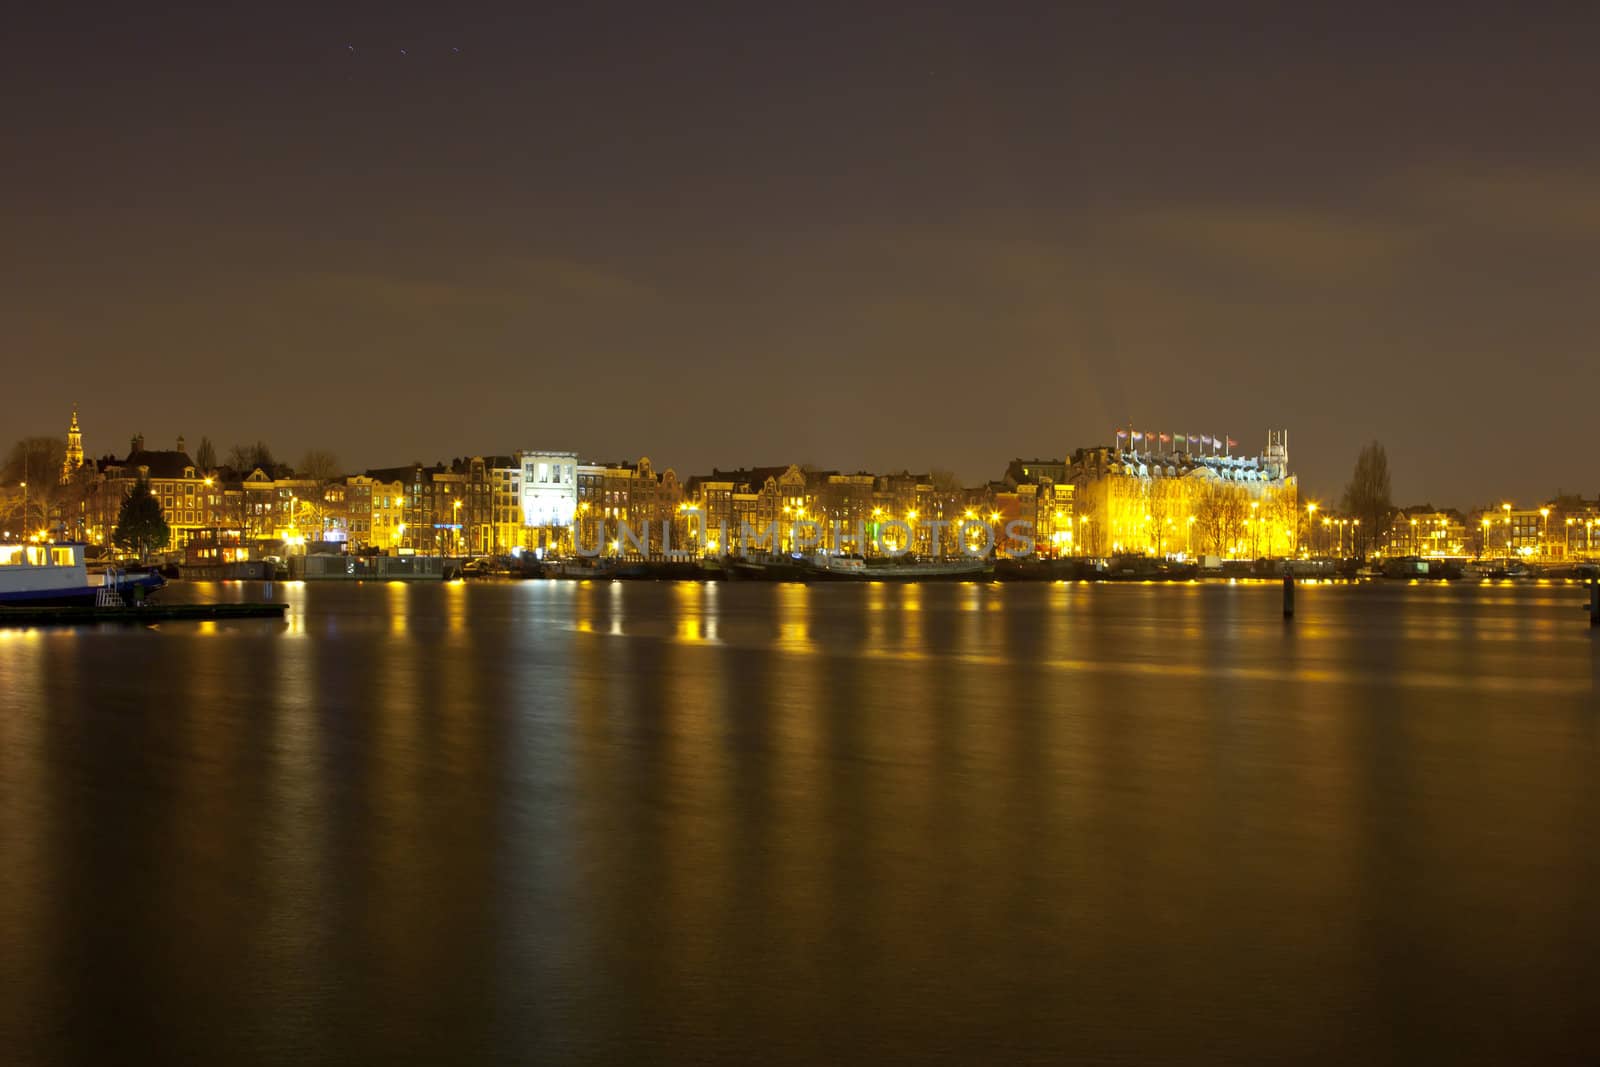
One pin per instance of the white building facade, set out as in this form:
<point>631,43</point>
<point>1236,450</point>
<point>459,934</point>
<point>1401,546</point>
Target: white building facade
<point>549,486</point>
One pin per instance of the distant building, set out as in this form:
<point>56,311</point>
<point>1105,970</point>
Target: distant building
<point>1145,499</point>
<point>1428,533</point>
<point>503,526</point>
<point>73,461</point>
<point>1574,528</point>
<point>549,501</point>
<point>190,499</point>
<point>1034,471</point>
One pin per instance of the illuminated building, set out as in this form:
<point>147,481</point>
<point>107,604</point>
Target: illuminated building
<point>605,499</point>
<point>73,461</point>
<point>1574,526</point>
<point>1143,499</point>
<point>1428,533</point>
<point>362,496</point>
<point>504,498</point>
<point>756,497</point>
<point>1567,528</point>
<point>1045,498</point>
<point>654,500</point>
<point>904,498</point>
<point>549,500</point>
<point>189,498</point>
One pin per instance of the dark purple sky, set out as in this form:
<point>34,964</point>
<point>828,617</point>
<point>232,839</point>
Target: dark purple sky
<point>846,235</point>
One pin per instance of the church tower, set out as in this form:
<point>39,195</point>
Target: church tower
<point>74,457</point>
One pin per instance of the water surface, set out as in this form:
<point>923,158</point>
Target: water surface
<point>672,823</point>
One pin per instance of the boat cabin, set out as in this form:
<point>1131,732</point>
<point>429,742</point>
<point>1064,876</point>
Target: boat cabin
<point>25,555</point>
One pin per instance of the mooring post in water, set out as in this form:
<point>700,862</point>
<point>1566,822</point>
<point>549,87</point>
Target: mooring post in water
<point>1594,601</point>
<point>1288,594</point>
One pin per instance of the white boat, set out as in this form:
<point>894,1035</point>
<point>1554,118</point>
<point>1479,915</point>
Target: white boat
<point>844,566</point>
<point>851,568</point>
<point>49,575</point>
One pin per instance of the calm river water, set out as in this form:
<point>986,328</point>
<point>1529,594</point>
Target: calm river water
<point>670,823</point>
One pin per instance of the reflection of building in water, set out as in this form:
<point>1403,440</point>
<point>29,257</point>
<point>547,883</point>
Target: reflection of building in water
<point>1165,496</point>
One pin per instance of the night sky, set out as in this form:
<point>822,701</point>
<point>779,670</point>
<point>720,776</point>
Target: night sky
<point>844,235</point>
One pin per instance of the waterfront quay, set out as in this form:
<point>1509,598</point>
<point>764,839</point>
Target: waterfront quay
<point>1155,504</point>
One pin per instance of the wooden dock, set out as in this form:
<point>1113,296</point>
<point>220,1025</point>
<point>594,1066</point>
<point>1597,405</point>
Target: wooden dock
<point>138,615</point>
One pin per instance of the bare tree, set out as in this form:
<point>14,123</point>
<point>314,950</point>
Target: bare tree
<point>246,458</point>
<point>1211,518</point>
<point>1167,516</point>
<point>205,455</point>
<point>38,461</point>
<point>1281,510</point>
<point>1367,496</point>
<point>319,466</point>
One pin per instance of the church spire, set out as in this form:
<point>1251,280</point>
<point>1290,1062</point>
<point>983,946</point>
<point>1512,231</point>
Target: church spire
<point>74,456</point>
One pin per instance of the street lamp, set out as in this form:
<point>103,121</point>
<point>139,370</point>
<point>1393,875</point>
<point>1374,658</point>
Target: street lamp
<point>1507,509</point>
<point>1544,532</point>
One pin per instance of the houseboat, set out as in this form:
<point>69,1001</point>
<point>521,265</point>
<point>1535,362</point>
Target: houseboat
<point>40,575</point>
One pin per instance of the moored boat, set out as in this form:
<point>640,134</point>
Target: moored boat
<point>827,567</point>
<point>55,575</point>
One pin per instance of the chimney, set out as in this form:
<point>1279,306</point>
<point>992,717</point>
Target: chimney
<point>180,444</point>
<point>137,444</point>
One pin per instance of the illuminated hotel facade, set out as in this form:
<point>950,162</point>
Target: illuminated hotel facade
<point>1160,496</point>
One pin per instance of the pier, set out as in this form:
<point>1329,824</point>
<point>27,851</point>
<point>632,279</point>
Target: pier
<point>136,615</point>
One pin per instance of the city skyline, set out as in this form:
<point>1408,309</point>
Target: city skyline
<point>1326,496</point>
<point>857,238</point>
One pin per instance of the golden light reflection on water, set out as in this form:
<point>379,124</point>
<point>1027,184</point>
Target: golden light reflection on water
<point>296,818</point>
<point>909,603</point>
<point>794,618</point>
<point>455,607</point>
<point>696,609</point>
<point>617,599</point>
<point>28,824</point>
<point>696,758</point>
<point>397,596</point>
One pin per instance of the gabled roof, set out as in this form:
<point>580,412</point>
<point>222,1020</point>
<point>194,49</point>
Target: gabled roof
<point>162,464</point>
<point>402,474</point>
